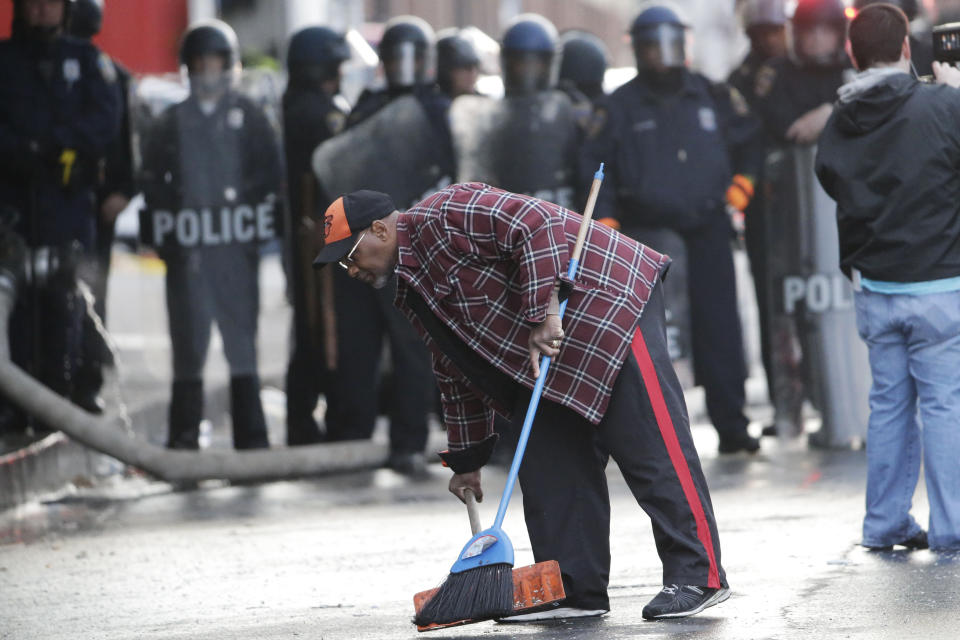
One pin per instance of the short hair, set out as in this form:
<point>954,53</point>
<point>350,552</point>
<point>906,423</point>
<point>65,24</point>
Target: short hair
<point>876,35</point>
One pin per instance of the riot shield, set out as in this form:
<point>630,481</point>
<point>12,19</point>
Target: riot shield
<point>816,352</point>
<point>396,151</point>
<point>209,170</point>
<point>207,160</point>
<point>525,144</point>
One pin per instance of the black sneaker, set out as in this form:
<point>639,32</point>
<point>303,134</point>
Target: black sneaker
<point>678,601</point>
<point>918,541</point>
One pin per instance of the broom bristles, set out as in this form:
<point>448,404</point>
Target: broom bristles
<point>477,594</point>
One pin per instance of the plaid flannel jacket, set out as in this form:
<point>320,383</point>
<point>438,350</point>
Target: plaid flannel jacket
<point>486,262</point>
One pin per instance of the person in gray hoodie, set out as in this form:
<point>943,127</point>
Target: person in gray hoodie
<point>890,157</point>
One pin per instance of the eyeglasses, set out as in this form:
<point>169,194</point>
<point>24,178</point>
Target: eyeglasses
<point>347,260</point>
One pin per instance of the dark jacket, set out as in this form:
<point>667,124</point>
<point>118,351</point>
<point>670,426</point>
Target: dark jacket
<point>670,158</point>
<point>890,157</point>
<point>59,111</point>
<point>785,90</point>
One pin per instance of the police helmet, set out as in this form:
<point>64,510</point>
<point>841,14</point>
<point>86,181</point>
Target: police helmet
<point>208,37</point>
<point>909,7</point>
<point>453,52</point>
<point>583,62</point>
<point>659,38</point>
<point>764,13</point>
<point>317,45</point>
<point>527,54</point>
<point>315,54</point>
<point>86,18</point>
<point>814,12</point>
<point>811,15</point>
<point>406,49</point>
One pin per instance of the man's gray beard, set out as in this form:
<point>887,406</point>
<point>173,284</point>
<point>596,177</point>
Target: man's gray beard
<point>380,282</point>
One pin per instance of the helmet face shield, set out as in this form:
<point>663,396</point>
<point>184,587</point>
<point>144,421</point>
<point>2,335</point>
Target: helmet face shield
<point>659,47</point>
<point>403,65</point>
<point>209,75</point>
<point>526,72</point>
<point>818,44</point>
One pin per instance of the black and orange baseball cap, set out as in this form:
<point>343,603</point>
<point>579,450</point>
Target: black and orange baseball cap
<point>346,219</point>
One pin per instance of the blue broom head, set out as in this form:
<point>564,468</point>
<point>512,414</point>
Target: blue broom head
<point>490,546</point>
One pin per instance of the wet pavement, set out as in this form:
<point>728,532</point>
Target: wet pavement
<point>341,557</point>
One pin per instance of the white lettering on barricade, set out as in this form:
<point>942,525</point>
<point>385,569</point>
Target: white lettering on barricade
<point>188,228</point>
<point>226,224</point>
<point>210,236</point>
<point>265,220</point>
<point>244,228</point>
<point>819,293</point>
<point>163,223</point>
<point>207,227</point>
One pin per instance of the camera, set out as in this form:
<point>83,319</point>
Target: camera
<point>946,42</point>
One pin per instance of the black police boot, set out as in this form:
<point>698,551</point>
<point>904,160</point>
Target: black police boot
<point>246,411</point>
<point>186,412</point>
<point>302,428</point>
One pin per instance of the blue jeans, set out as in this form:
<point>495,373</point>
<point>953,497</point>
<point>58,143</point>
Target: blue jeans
<point>914,345</point>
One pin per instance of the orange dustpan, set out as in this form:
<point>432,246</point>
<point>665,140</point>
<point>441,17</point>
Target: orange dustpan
<point>533,586</point>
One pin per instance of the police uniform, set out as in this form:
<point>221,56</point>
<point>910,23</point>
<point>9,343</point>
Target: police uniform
<point>364,315</point>
<point>210,183</point>
<point>310,116</point>
<point>744,80</point>
<point>670,159</point>
<point>59,109</point>
<point>785,90</point>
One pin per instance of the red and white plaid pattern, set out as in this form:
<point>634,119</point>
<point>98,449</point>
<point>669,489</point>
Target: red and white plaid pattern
<point>486,261</point>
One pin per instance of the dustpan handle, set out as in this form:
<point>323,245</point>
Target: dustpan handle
<point>545,362</point>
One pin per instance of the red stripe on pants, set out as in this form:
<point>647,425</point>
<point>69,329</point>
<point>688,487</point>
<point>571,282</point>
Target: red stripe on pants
<point>679,461</point>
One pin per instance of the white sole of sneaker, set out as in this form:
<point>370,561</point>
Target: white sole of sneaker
<point>560,613</point>
<point>716,598</point>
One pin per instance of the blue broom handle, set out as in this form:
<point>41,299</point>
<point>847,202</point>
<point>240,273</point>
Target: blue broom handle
<point>545,362</point>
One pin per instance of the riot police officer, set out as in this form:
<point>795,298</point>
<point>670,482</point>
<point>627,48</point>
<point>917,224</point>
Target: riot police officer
<point>921,49</point>
<point>59,109</point>
<point>313,111</point>
<point>795,93</point>
<point>211,174</point>
<point>421,161</point>
<point>458,65</point>
<point>673,142</point>
<point>113,195</point>
<point>407,53</point>
<point>765,23</point>
<point>527,142</point>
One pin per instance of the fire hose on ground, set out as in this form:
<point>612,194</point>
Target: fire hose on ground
<point>102,435</point>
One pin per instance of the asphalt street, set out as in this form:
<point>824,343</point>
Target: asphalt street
<point>341,557</point>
